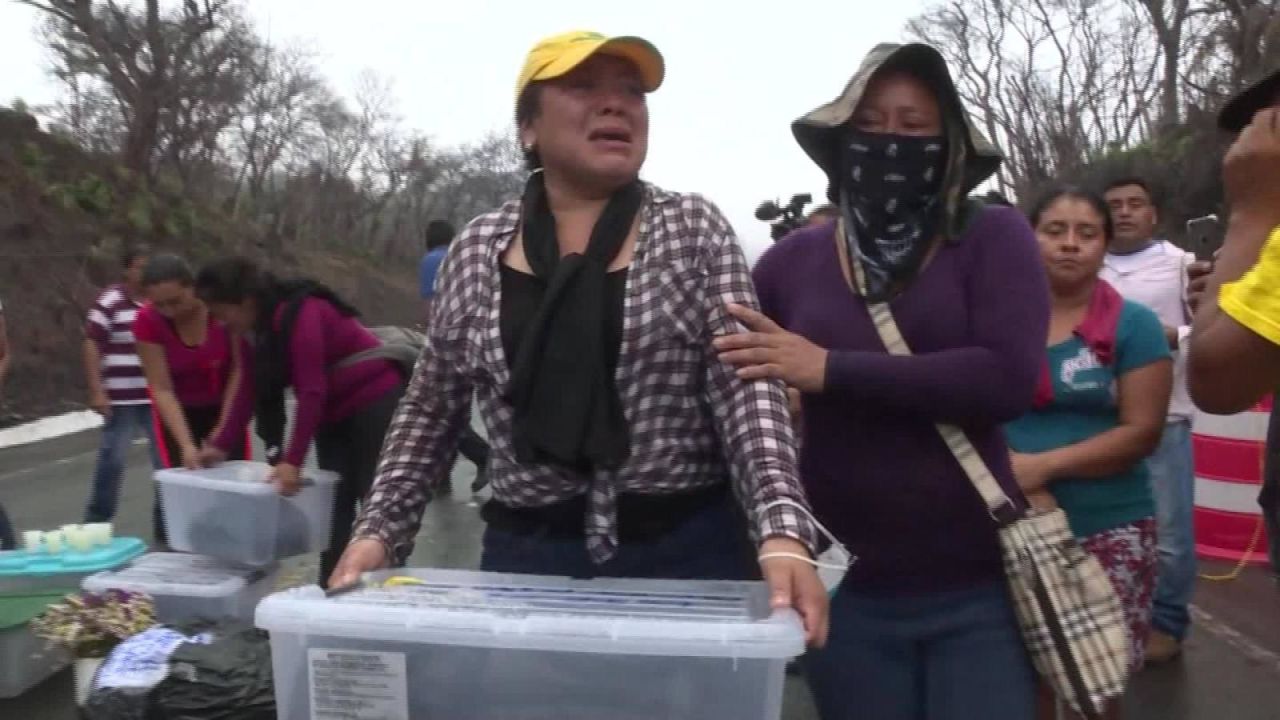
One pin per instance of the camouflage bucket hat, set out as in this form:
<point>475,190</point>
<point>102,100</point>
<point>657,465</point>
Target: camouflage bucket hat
<point>818,132</point>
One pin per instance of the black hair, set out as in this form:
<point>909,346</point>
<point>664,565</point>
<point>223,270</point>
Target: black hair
<point>132,252</point>
<point>528,105</point>
<point>230,281</point>
<point>1095,200</point>
<point>439,234</point>
<point>167,267</point>
<point>233,280</point>
<point>1134,180</point>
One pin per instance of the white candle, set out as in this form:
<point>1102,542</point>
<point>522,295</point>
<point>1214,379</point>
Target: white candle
<point>99,533</point>
<point>53,541</point>
<point>31,540</point>
<point>67,530</point>
<point>79,540</point>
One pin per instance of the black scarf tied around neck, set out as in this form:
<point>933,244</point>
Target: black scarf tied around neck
<point>567,409</point>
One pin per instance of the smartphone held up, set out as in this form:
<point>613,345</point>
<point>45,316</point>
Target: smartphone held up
<point>1204,236</point>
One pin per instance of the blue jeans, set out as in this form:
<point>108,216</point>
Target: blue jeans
<point>712,544</point>
<point>124,424</point>
<point>945,656</point>
<point>1173,483</point>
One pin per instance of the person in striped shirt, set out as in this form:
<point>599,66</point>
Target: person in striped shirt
<point>117,385</point>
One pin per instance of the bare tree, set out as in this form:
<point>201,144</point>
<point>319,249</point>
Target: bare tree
<point>136,55</point>
<point>210,85</point>
<point>1053,82</point>
<point>477,178</point>
<point>1238,41</point>
<point>191,91</point>
<point>283,92</point>
<point>88,113</point>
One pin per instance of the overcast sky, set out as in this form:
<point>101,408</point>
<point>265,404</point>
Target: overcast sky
<point>720,125</point>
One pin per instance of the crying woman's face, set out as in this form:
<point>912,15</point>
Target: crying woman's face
<point>899,103</point>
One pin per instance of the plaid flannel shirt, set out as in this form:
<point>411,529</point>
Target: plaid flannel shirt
<point>692,421</point>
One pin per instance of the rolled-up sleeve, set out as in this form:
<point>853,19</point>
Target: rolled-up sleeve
<point>752,417</point>
<point>423,436</point>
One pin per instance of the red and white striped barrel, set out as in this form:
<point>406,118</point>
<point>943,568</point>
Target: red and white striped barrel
<point>1229,452</point>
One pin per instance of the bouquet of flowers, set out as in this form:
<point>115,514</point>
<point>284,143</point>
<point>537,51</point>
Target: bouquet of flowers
<point>91,624</point>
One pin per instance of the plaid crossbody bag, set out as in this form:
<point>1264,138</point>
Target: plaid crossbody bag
<point>1070,616</point>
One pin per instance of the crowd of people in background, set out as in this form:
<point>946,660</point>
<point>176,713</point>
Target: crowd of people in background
<point>654,407</point>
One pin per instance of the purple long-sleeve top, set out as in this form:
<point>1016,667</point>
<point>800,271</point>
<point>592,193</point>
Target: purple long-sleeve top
<point>321,338</point>
<point>876,470</point>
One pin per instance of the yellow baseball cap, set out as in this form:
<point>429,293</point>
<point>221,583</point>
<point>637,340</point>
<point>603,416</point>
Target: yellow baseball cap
<point>559,54</point>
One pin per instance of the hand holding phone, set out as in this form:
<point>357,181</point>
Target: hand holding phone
<point>1204,237</point>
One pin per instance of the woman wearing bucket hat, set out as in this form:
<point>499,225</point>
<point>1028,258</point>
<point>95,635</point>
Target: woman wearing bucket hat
<point>922,625</point>
<point>1235,351</point>
<point>581,316</point>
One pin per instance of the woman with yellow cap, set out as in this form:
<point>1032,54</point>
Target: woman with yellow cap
<point>581,316</point>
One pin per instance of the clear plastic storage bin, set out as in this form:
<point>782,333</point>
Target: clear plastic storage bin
<point>190,586</point>
<point>27,571</point>
<point>25,660</point>
<point>232,513</point>
<point>483,646</point>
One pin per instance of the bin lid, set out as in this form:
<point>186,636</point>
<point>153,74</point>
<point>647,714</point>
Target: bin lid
<point>616,616</point>
<point>23,563</point>
<point>238,476</point>
<point>167,574</point>
<point>194,561</point>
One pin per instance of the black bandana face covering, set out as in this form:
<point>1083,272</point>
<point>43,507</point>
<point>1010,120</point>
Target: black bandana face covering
<point>890,193</point>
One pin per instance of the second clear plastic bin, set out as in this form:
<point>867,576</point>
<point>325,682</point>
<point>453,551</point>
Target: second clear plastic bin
<point>477,646</point>
<point>190,586</point>
<point>233,513</point>
<point>25,660</point>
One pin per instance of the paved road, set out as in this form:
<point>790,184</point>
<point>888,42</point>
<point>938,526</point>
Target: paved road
<point>1231,670</point>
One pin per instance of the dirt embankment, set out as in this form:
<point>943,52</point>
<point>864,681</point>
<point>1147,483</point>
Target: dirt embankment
<point>65,214</point>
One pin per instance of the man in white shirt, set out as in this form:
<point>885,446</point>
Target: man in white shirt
<point>1153,272</point>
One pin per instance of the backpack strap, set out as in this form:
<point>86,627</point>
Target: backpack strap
<point>400,345</point>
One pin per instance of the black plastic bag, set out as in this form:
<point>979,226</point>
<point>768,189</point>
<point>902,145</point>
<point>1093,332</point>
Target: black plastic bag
<point>228,679</point>
<point>131,671</point>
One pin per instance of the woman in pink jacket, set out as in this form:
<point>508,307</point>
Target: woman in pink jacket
<point>301,331</point>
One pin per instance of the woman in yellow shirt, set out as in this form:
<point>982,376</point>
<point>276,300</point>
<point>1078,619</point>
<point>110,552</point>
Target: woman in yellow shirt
<point>1235,344</point>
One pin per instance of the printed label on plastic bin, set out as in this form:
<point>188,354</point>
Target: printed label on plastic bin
<point>349,685</point>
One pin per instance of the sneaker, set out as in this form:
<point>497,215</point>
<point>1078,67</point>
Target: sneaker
<point>1162,648</point>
